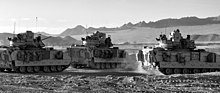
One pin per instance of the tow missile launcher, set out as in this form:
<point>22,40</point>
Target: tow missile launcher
<point>27,54</point>
<point>97,52</point>
<point>177,55</point>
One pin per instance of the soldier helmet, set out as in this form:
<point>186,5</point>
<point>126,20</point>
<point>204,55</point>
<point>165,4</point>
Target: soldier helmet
<point>178,30</point>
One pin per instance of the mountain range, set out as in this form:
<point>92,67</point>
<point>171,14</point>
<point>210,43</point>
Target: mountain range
<point>164,23</point>
<point>68,40</point>
<point>200,29</point>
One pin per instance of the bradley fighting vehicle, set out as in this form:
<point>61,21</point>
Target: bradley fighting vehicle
<point>97,52</point>
<point>27,54</point>
<point>177,55</point>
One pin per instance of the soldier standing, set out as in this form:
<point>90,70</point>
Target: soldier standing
<point>176,36</point>
<point>108,41</point>
<point>39,41</point>
<point>84,41</point>
<point>140,57</point>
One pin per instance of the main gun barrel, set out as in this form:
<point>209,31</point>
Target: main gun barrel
<point>46,38</point>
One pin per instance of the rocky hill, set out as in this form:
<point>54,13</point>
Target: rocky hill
<point>74,31</point>
<point>44,33</point>
<point>170,22</point>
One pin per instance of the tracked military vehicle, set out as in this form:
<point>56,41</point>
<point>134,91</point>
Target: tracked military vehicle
<point>178,55</point>
<point>97,52</point>
<point>27,54</point>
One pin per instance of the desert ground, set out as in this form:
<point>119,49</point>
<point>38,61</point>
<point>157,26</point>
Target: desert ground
<point>108,81</point>
<point>130,80</point>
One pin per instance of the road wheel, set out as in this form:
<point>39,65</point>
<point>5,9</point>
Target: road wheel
<point>113,65</point>
<point>22,69</point>
<point>118,65</point>
<point>17,70</point>
<point>196,70</point>
<point>59,68</point>
<point>204,70</point>
<point>53,68</point>
<point>8,69</point>
<point>102,65</point>
<point>162,70</point>
<point>169,71</point>
<point>98,65</point>
<point>30,69</point>
<point>185,71</point>
<point>91,64</point>
<point>46,69</point>
<point>36,69</point>
<point>108,65</point>
<point>2,69</point>
<point>212,70</point>
<point>74,65</point>
<point>177,71</point>
<point>79,66</point>
<point>66,66</point>
<point>123,65</point>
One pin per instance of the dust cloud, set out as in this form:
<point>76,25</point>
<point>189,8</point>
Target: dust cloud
<point>136,66</point>
<point>131,63</point>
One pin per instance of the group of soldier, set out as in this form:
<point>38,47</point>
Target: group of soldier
<point>175,41</point>
<point>175,36</point>
<point>144,57</point>
<point>26,40</point>
<point>98,39</point>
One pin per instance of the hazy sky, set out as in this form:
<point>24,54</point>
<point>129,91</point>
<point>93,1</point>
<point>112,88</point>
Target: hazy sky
<point>54,16</point>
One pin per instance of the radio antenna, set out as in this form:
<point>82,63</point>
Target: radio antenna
<point>86,31</point>
<point>14,29</point>
<point>36,23</point>
<point>165,30</point>
<point>167,24</point>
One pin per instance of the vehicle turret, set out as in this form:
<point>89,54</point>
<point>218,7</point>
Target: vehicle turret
<point>176,41</point>
<point>97,39</point>
<point>27,40</point>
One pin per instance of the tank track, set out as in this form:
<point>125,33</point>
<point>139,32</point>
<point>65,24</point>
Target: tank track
<point>169,71</point>
<point>101,65</point>
<point>36,69</point>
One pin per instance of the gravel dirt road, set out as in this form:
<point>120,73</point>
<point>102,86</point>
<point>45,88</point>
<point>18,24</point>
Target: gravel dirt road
<point>108,81</point>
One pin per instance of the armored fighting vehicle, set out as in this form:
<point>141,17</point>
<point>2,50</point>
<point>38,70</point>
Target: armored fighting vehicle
<point>178,55</point>
<point>27,54</point>
<point>97,51</point>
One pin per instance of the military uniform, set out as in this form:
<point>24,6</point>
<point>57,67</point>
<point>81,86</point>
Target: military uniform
<point>176,36</point>
<point>146,53</point>
<point>140,57</point>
